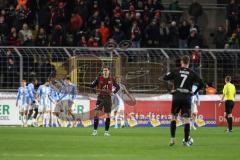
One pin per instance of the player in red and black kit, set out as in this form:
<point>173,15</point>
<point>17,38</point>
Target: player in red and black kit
<point>104,85</point>
<point>183,80</point>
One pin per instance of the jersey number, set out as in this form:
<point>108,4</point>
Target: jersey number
<point>183,80</point>
<point>105,87</point>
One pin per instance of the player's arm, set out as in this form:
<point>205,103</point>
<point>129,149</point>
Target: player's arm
<point>94,84</point>
<point>235,91</point>
<point>117,87</point>
<point>169,76</point>
<point>74,92</point>
<point>198,99</point>
<point>30,93</point>
<point>51,99</point>
<point>200,83</point>
<point>38,94</point>
<point>125,91</point>
<point>63,91</point>
<point>223,95</point>
<point>18,96</point>
<point>50,95</point>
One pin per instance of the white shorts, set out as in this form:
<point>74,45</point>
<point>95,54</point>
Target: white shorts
<point>55,108</point>
<point>118,103</point>
<point>30,106</point>
<point>43,108</point>
<point>194,108</point>
<point>23,108</point>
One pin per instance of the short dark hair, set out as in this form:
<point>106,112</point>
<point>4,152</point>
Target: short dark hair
<point>185,59</point>
<point>106,67</point>
<point>67,78</point>
<point>34,79</point>
<point>228,78</point>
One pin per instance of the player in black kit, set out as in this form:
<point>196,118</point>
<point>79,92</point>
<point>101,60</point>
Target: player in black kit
<point>183,80</point>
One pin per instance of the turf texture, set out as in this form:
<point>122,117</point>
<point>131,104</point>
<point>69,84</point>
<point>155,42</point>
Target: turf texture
<point>18,143</point>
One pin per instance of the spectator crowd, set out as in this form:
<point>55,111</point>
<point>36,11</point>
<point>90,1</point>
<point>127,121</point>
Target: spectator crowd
<point>92,23</point>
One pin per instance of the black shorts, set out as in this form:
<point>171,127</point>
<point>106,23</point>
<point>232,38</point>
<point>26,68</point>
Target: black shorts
<point>229,104</point>
<point>181,102</point>
<point>104,103</point>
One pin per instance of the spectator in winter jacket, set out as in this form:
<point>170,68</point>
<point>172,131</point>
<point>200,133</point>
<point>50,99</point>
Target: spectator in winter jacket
<point>195,10</point>
<point>126,25</point>
<point>59,15</point>
<point>94,21</point>
<point>193,24</point>
<point>135,35</point>
<point>117,35</point>
<point>194,39</point>
<point>76,22</point>
<point>82,9</point>
<point>29,41</point>
<point>13,38</point>
<point>83,42</point>
<point>232,22</point>
<point>196,58</point>
<point>105,33</point>
<point>184,31</point>
<point>11,73</point>
<point>44,18</point>
<point>220,38</point>
<point>231,16</point>
<point>173,35</point>
<point>24,33</point>
<point>3,26</point>
<point>92,42</point>
<point>164,35</point>
<point>152,34</point>
<point>41,39</point>
<point>58,36</point>
<point>11,16</point>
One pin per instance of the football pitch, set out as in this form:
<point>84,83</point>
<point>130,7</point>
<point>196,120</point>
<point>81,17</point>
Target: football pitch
<point>18,143</point>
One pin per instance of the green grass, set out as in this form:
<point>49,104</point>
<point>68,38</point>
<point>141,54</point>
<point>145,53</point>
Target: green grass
<point>125,144</point>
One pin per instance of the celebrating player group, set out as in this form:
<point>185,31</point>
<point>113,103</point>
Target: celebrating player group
<point>50,102</point>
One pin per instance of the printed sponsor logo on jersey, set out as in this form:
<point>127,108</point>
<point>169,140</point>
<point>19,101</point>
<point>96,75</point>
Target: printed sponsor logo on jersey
<point>184,72</point>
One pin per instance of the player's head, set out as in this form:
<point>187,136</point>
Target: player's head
<point>106,72</point>
<point>118,78</point>
<point>24,82</point>
<point>228,79</point>
<point>34,81</point>
<point>185,60</point>
<point>67,80</point>
<point>47,82</point>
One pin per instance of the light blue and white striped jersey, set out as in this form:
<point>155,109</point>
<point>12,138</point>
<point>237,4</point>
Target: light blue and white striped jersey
<point>30,87</point>
<point>23,96</point>
<point>44,93</point>
<point>195,98</point>
<point>68,92</point>
<point>54,94</point>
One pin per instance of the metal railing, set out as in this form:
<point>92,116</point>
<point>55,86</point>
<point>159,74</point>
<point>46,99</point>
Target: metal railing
<point>141,69</point>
